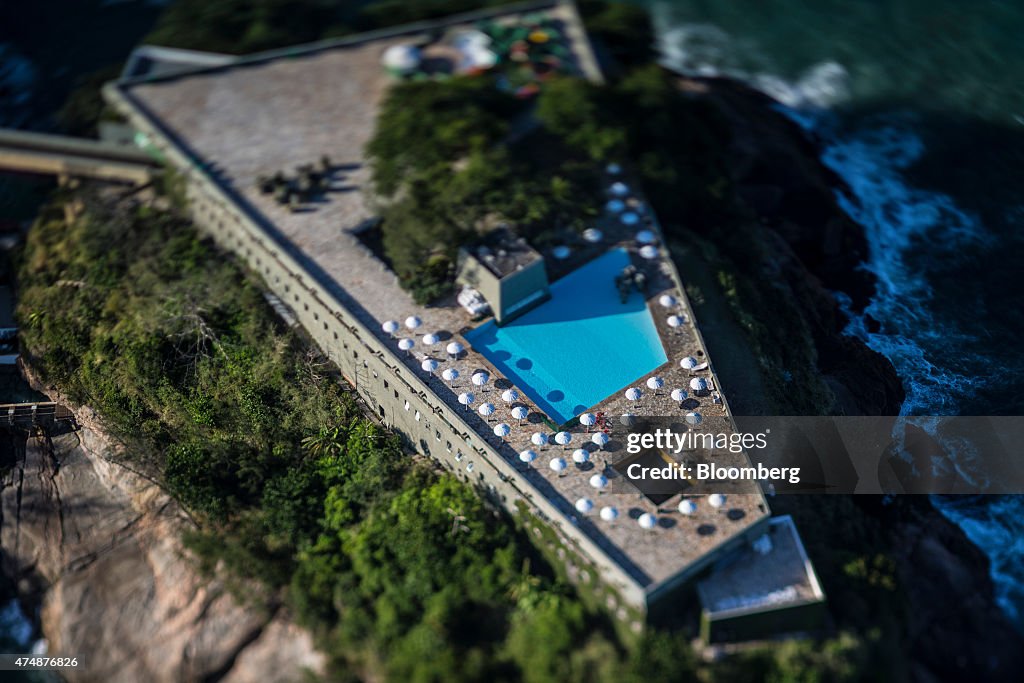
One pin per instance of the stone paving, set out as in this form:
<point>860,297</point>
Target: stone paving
<point>255,119</point>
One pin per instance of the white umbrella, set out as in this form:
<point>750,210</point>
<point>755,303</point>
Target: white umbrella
<point>627,419</point>
<point>687,507</point>
<point>429,365</point>
<point>584,505</point>
<point>649,252</point>
<point>412,322</point>
<point>450,375</point>
<point>406,344</point>
<point>593,235</point>
<point>501,429</point>
<point>629,218</point>
<point>561,252</point>
<point>520,413</point>
<point>619,189</point>
<point>580,456</point>
<point>667,300</point>
<point>429,339</point>
<point>486,409</point>
<point>465,398</point>
<point>599,438</point>
<point>633,394</point>
<point>599,482</point>
<point>609,513</point>
<point>694,419</point>
<point>647,521</point>
<point>527,456</point>
<point>454,348</point>
<point>614,206</point>
<point>716,500</point>
<point>699,384</point>
<point>678,395</point>
<point>480,378</point>
<point>390,326</point>
<point>558,465</point>
<point>510,396</point>
<point>613,169</point>
<point>675,321</point>
<point>688,363</point>
<point>401,58</point>
<point>563,438</point>
<point>655,383</point>
<point>588,420</point>
<point>539,439</point>
<point>645,237</point>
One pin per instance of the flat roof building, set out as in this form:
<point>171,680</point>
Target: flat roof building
<point>224,126</point>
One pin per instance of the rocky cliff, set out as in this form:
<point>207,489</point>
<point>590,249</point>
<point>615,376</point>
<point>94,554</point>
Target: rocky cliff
<point>101,546</point>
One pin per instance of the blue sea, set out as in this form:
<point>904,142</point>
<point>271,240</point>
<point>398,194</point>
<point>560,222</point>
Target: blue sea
<point>919,106</point>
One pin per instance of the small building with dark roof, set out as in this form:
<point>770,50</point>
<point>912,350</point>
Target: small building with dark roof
<point>507,272</point>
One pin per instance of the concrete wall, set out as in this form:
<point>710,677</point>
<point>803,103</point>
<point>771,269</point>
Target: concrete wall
<point>522,290</point>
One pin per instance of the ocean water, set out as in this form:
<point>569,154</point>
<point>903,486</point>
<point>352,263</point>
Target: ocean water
<point>580,346</point>
<point>920,109</point>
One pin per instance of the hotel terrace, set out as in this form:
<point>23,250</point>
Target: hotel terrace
<point>225,123</point>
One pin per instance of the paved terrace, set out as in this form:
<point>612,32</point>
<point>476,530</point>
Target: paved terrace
<point>258,117</point>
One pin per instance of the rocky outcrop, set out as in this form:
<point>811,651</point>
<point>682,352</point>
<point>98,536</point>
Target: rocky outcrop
<point>102,547</point>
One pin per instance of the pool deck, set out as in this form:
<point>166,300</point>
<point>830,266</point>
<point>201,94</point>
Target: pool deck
<point>256,118</point>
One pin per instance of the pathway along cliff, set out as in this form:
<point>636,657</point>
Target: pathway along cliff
<point>99,547</point>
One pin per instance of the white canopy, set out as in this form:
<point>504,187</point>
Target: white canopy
<point>613,169</point>
<point>539,439</point>
<point>429,365</point>
<point>450,374</point>
<point>679,395</point>
<point>501,429</point>
<point>527,456</point>
<point>587,419</point>
<point>593,235</point>
<point>509,395</point>
<point>561,252</point>
<point>645,237</point>
<point>609,513</point>
<point>633,394</point>
<point>614,206</point>
<point>599,481</point>
<point>520,412</point>
<point>600,438</point>
<point>429,339</point>
<point>667,300</point>
<point>584,505</point>
<point>486,409</point>
<point>412,322</point>
<point>688,363</point>
<point>655,383</point>
<point>694,419</point>
<point>465,398</point>
<point>563,438</point>
<point>647,521</point>
<point>687,507</point>
<point>480,378</point>
<point>406,344</point>
<point>619,189</point>
<point>629,218</point>
<point>401,58</point>
<point>455,348</point>
<point>390,326</point>
<point>558,464</point>
<point>716,500</point>
<point>675,321</point>
<point>698,384</point>
<point>627,419</point>
<point>580,456</point>
<point>649,252</point>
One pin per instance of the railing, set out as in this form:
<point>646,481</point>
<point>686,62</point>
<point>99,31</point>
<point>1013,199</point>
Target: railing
<point>33,413</point>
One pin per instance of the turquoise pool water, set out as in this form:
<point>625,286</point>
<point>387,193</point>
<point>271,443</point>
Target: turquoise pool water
<point>579,347</point>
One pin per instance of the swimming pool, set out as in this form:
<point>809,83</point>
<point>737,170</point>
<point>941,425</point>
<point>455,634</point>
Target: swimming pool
<point>579,347</point>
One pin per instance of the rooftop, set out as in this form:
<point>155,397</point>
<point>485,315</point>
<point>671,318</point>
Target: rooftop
<point>503,253</point>
<point>270,112</point>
